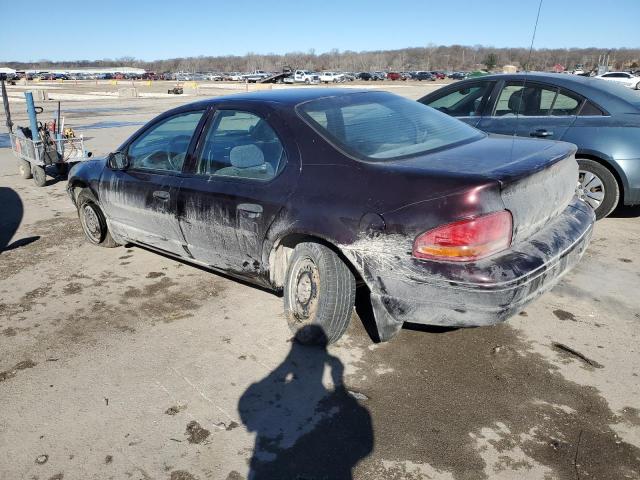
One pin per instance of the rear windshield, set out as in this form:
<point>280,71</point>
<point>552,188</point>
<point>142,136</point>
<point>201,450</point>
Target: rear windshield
<point>381,126</point>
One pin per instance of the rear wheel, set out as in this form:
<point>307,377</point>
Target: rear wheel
<point>319,290</point>
<point>39,175</point>
<point>93,222</point>
<point>597,187</point>
<point>25,169</point>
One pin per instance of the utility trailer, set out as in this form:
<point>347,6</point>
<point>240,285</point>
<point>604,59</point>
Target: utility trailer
<point>40,145</point>
<point>34,156</point>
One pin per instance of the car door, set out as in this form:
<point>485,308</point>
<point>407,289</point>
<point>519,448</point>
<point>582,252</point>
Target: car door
<point>245,167</point>
<point>140,200</point>
<point>466,102</point>
<point>531,109</point>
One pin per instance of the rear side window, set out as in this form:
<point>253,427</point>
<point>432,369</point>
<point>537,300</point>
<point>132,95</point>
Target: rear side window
<point>531,100</point>
<point>590,110</point>
<point>381,126</point>
<point>566,103</point>
<point>243,145</point>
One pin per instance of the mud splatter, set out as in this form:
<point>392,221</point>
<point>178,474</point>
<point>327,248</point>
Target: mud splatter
<point>564,315</point>
<point>71,288</point>
<point>625,260</point>
<point>569,352</point>
<point>181,475</point>
<point>453,385</point>
<point>196,433</point>
<point>155,275</point>
<point>12,372</point>
<point>175,409</point>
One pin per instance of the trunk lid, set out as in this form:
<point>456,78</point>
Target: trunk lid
<point>537,178</point>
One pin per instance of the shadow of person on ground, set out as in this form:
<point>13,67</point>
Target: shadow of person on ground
<point>11,213</point>
<point>304,430</point>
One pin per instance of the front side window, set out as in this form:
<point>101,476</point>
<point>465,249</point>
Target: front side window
<point>164,146</point>
<point>241,144</point>
<point>465,101</point>
<point>381,126</point>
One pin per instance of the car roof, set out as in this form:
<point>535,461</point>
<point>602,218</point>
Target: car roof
<point>610,95</point>
<point>285,96</point>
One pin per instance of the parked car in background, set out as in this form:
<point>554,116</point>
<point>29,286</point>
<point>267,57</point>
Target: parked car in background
<point>364,76</point>
<point>331,77</point>
<point>458,75</point>
<point>394,76</point>
<point>422,75</point>
<point>601,118</point>
<point>406,75</point>
<point>625,78</point>
<point>235,76</point>
<point>438,75</point>
<point>378,76</point>
<point>302,76</point>
<point>310,191</point>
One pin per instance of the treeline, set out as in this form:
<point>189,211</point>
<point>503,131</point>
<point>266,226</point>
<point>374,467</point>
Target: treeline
<point>431,57</point>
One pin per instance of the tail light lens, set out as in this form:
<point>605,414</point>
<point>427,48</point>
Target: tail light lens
<point>466,240</point>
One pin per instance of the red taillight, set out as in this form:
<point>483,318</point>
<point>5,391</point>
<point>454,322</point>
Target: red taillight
<point>466,240</point>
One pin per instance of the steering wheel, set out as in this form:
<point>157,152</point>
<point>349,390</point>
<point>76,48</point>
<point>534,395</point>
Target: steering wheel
<point>177,147</point>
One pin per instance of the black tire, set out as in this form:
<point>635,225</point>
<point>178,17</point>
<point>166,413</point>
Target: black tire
<point>319,290</point>
<point>608,183</point>
<point>39,175</point>
<point>93,222</point>
<point>24,168</point>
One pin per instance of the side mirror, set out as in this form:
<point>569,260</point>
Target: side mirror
<point>118,161</point>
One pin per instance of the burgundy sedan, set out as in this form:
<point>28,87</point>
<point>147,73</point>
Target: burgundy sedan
<point>309,192</point>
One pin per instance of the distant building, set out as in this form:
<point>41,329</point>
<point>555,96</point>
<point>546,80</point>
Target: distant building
<point>92,71</point>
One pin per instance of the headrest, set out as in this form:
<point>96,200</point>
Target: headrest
<point>246,156</point>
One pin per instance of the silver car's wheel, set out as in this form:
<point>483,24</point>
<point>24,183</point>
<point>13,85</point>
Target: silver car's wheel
<point>590,188</point>
<point>597,186</point>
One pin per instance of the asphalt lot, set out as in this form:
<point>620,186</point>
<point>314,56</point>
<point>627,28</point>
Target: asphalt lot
<point>121,363</point>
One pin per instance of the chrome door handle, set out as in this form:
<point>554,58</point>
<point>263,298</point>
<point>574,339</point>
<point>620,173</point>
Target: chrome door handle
<point>161,195</point>
<point>541,132</point>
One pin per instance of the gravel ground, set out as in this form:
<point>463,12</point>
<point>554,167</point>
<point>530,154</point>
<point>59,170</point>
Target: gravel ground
<point>121,363</point>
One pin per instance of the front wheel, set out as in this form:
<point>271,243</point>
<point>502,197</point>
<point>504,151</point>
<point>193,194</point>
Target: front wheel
<point>39,175</point>
<point>597,187</point>
<point>24,168</point>
<point>319,290</point>
<point>93,222</point>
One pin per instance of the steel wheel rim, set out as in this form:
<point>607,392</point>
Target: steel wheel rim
<point>590,188</point>
<point>303,295</point>
<point>91,223</point>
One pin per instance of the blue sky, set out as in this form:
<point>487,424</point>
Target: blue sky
<point>157,29</point>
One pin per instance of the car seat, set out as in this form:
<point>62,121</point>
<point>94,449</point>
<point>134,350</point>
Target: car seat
<point>247,161</point>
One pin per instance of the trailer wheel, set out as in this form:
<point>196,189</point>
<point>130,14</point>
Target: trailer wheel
<point>93,222</point>
<point>25,169</point>
<point>39,175</point>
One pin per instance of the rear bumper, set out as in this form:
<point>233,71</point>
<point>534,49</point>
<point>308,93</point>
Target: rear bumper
<point>488,291</point>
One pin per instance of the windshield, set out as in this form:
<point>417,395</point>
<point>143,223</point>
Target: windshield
<point>381,126</point>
